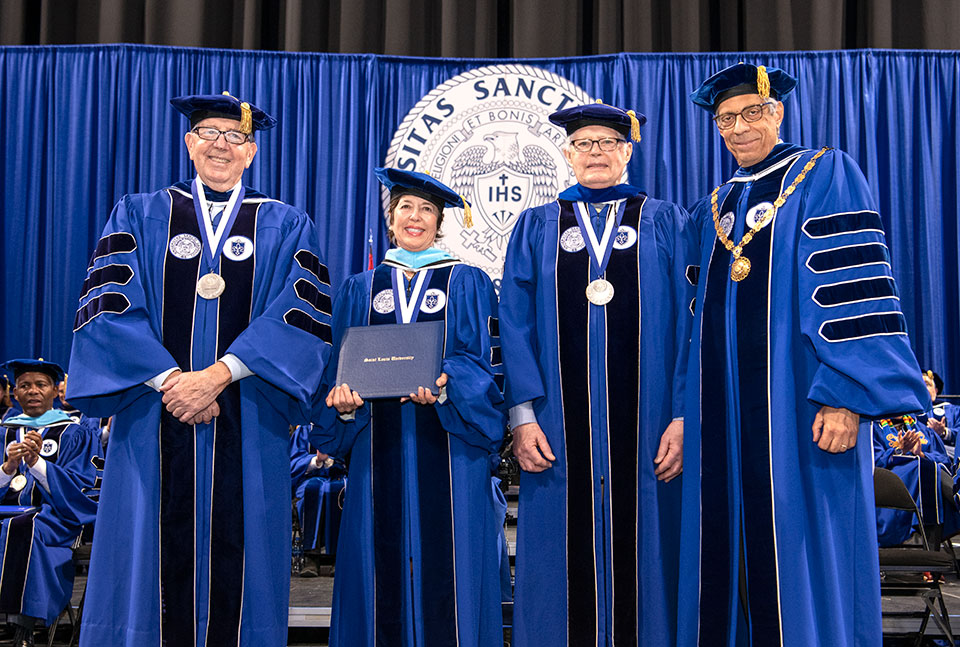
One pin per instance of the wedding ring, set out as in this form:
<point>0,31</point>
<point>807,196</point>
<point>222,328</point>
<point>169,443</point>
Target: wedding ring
<point>843,446</point>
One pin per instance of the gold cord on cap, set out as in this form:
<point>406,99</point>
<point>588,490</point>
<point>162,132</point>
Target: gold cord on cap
<point>246,118</point>
<point>763,82</point>
<point>246,115</point>
<point>634,126</point>
<point>467,214</point>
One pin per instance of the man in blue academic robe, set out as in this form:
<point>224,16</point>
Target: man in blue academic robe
<point>203,327</point>
<point>797,333</point>
<point>595,319</point>
<point>47,465</point>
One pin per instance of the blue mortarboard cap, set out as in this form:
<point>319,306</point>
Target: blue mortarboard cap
<point>625,122</point>
<point>198,107</point>
<point>14,368</point>
<point>419,184</point>
<point>743,78</point>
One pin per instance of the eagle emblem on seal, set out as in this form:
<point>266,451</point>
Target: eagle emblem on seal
<point>500,179</point>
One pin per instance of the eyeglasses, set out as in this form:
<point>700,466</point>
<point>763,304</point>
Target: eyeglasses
<point>230,136</point>
<point>749,114</point>
<point>606,144</point>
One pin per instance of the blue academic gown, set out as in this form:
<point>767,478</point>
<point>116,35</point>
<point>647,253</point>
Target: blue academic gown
<point>36,549</point>
<point>318,493</point>
<point>597,533</point>
<point>921,475</point>
<point>417,559</point>
<point>193,533</point>
<point>816,322</point>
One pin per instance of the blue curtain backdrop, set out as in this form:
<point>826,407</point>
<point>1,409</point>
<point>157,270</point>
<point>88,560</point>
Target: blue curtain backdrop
<point>83,125</point>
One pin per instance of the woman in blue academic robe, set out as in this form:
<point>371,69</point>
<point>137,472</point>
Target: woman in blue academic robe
<point>417,558</point>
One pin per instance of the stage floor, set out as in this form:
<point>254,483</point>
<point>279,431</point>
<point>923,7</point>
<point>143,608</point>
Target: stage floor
<point>310,601</point>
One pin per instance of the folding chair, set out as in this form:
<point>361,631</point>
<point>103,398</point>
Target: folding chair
<point>909,563</point>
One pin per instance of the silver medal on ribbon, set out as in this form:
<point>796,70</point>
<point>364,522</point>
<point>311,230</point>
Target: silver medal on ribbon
<point>211,286</point>
<point>599,292</point>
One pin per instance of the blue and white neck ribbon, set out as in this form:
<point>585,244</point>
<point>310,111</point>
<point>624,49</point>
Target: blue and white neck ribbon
<point>405,309</point>
<point>213,240</point>
<point>599,250</point>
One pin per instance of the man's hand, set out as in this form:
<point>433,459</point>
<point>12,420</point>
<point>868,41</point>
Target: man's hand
<point>669,458</point>
<point>343,399</point>
<point>531,448</point>
<point>835,430</point>
<point>189,394</point>
<point>423,395</point>
<point>32,442</point>
<point>938,426</point>
<point>28,450</point>
<point>206,415</point>
<point>911,443</point>
<point>15,453</point>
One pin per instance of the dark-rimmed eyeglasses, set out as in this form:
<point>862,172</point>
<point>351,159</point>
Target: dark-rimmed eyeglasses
<point>749,114</point>
<point>606,144</point>
<point>211,134</point>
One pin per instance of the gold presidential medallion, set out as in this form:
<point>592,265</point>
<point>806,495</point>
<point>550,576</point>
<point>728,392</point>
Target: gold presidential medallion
<point>599,292</point>
<point>18,483</point>
<point>740,268</point>
<point>211,286</point>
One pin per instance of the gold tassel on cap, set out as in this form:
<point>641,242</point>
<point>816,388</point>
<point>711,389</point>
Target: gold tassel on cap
<point>634,126</point>
<point>467,214</point>
<point>246,118</point>
<point>763,82</point>
<point>246,115</point>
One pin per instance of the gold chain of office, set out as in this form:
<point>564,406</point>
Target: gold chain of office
<point>741,264</point>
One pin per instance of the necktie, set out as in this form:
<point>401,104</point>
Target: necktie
<point>216,212</point>
<point>598,219</point>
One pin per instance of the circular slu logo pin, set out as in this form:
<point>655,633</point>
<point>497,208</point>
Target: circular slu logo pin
<point>756,213</point>
<point>625,238</point>
<point>49,447</point>
<point>486,134</point>
<point>433,301</point>
<point>238,248</point>
<point>185,246</point>
<point>726,223</point>
<point>571,240</point>
<point>383,302</point>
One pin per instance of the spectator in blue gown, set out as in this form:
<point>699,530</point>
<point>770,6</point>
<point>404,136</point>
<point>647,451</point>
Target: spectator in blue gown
<point>797,334</point>
<point>944,417</point>
<point>6,402</point>
<point>910,449</point>
<point>417,559</point>
<point>47,464</point>
<point>319,482</point>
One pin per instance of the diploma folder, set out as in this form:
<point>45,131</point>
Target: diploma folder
<point>392,360</point>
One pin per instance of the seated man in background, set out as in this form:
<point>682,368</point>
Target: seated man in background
<point>318,482</point>
<point>46,465</point>
<point>6,402</point>
<point>908,448</point>
<point>944,417</point>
